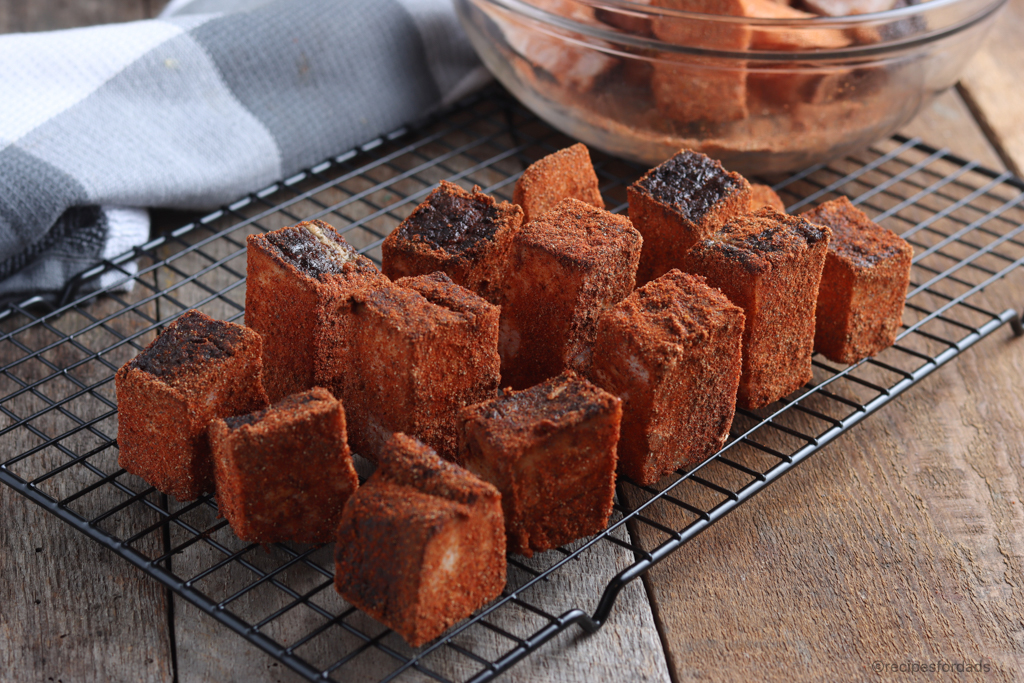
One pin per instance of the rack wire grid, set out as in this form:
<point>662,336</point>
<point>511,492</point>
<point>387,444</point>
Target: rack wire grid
<point>59,411</point>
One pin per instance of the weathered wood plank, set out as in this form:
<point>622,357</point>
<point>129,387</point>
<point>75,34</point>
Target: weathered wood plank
<point>70,610</point>
<point>628,646</point>
<point>50,15</point>
<point>902,542</point>
<point>991,84</point>
<point>915,477</point>
<point>942,125</point>
<point>915,553</point>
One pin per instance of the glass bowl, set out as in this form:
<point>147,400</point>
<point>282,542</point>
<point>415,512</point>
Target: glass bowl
<point>762,95</point>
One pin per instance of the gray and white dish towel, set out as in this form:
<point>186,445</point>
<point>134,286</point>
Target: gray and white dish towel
<point>193,109</point>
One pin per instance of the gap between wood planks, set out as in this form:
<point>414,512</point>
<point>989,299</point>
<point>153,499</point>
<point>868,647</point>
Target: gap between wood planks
<point>991,86</point>
<point>989,91</point>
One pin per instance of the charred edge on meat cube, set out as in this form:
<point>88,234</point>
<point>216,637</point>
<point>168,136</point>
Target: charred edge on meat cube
<point>452,219</point>
<point>192,338</point>
<point>313,247</point>
<point>550,450</point>
<point>691,183</point>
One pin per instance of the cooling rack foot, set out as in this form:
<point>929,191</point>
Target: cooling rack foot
<point>1016,325</point>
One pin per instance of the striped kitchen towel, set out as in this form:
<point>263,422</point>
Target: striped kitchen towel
<point>209,101</point>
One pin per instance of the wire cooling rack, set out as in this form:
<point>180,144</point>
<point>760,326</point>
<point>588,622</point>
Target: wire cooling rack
<point>59,413</point>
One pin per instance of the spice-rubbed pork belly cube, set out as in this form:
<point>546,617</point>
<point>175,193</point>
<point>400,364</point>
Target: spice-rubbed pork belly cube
<point>715,90</point>
<point>769,264</point>
<point>671,351</point>
<point>827,97</point>
<point>705,89</point>
<point>295,277</point>
<point>679,203</point>
<point>631,22</point>
<point>422,349</point>
<point>762,195</point>
<point>701,89</point>
<point>564,174</point>
<point>742,36</point>
<point>198,369</point>
<point>845,8</point>
<point>550,450</point>
<point>569,266</point>
<point>466,235</point>
<point>548,58</point>
<point>863,286</point>
<point>783,37</point>
<point>284,473</point>
<point>714,34</point>
<point>421,545</point>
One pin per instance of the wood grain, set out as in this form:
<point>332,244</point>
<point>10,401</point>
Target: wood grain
<point>915,553</point>
<point>207,651</point>
<point>916,549</point>
<point>71,610</point>
<point>901,542</point>
<point>50,15</point>
<point>991,84</point>
<point>947,123</point>
<point>627,646</point>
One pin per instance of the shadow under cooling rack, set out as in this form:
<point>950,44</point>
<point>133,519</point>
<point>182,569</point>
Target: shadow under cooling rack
<point>58,414</point>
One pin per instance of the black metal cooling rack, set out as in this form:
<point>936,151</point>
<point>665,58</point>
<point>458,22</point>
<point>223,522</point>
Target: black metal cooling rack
<point>59,415</point>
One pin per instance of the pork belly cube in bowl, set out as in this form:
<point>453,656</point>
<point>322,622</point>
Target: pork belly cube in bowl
<point>763,85</point>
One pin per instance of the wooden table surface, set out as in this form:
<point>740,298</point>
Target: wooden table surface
<point>901,542</point>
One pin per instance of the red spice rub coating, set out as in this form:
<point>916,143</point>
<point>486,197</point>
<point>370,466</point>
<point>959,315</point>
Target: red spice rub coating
<point>742,36</point>
<point>285,473</point>
<point>718,90</point>
<point>466,235</point>
<point>295,277</point>
<point>425,348</point>
<point>679,203</point>
<point>550,450</point>
<point>672,351</point>
<point>762,195</point>
<point>769,264</point>
<point>634,23</point>
<point>565,174</point>
<point>421,545</point>
<point>542,59</point>
<point>863,286</point>
<point>691,89</point>
<point>570,266</point>
<point>198,369</point>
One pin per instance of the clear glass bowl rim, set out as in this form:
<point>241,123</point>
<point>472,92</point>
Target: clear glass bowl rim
<point>984,9</point>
